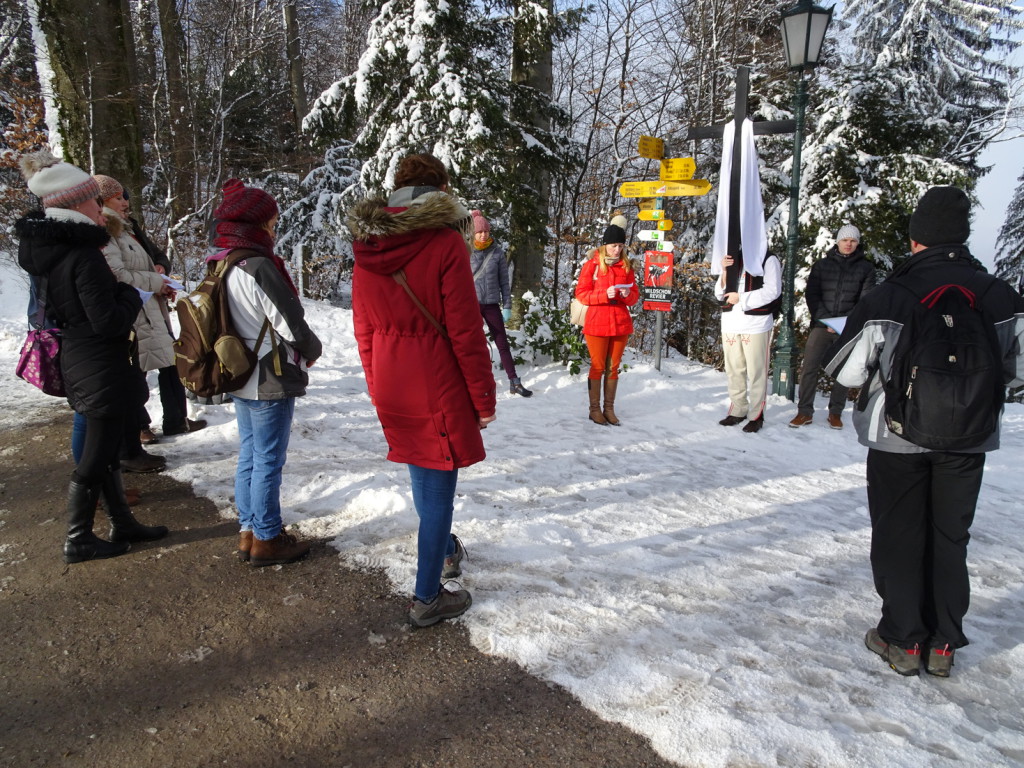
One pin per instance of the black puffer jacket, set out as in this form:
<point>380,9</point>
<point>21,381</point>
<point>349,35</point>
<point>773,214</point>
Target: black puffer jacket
<point>94,312</point>
<point>837,283</point>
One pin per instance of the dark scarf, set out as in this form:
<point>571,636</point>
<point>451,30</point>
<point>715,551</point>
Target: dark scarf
<point>252,237</point>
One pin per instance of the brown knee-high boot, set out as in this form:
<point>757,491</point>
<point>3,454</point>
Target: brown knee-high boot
<point>610,386</point>
<point>594,388</point>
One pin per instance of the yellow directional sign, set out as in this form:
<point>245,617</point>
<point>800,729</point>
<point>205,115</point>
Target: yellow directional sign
<point>677,169</point>
<point>665,225</point>
<point>651,148</point>
<point>646,204</point>
<point>650,215</point>
<point>692,188</point>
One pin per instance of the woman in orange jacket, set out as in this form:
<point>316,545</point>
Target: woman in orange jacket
<point>607,285</point>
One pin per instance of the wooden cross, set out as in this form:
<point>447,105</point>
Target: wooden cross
<point>761,128</point>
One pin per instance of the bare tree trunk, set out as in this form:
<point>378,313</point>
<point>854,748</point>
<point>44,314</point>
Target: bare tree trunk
<point>180,174</point>
<point>531,68</point>
<point>295,77</point>
<point>92,59</point>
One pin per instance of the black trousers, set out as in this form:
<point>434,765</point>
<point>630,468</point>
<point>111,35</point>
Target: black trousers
<point>819,341</point>
<point>922,506</point>
<point>100,449</point>
<point>138,393</point>
<point>172,398</point>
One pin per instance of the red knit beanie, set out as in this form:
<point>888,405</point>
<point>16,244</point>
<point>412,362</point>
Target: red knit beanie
<point>242,203</point>
<point>480,224</point>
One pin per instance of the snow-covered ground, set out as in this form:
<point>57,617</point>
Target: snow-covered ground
<point>707,588</point>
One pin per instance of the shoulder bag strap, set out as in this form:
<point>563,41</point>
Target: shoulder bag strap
<point>399,277</point>
<point>480,269</point>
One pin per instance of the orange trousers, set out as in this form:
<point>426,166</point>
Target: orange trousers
<point>605,355</point>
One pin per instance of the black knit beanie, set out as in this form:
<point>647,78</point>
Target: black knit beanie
<point>616,231</point>
<point>613,234</point>
<point>942,217</point>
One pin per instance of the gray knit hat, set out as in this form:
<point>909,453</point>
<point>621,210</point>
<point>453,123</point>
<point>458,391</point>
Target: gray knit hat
<point>848,232</point>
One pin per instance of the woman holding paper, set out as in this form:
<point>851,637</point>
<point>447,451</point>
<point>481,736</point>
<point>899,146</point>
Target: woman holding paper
<point>607,285</point>
<point>131,264</point>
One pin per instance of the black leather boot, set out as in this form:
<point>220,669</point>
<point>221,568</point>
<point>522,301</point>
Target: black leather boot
<point>123,525</point>
<point>82,544</point>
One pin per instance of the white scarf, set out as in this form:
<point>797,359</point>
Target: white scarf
<point>753,237</point>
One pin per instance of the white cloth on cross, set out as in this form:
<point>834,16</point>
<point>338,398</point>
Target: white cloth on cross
<point>753,237</point>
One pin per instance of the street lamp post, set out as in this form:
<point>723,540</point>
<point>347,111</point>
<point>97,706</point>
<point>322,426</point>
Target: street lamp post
<point>803,32</point>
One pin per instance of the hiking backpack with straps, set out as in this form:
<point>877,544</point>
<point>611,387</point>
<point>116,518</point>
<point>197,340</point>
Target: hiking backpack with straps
<point>210,356</point>
<point>945,389</point>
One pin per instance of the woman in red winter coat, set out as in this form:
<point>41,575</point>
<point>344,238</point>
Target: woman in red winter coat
<point>425,357</point>
<point>607,285</point>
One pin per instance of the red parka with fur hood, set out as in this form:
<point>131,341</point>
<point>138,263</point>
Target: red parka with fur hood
<point>428,390</point>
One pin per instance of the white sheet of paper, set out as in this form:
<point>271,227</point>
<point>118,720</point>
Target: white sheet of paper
<point>144,294</point>
<point>173,283</point>
<point>835,323</point>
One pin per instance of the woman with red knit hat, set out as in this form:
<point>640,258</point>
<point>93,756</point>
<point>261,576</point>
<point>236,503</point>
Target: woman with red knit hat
<point>490,274</point>
<point>262,297</point>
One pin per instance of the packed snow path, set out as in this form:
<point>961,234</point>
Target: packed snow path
<point>707,588</point>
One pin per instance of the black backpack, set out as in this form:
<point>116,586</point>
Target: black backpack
<point>945,390</point>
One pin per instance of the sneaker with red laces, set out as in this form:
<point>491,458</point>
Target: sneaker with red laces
<point>905,661</point>
<point>940,661</point>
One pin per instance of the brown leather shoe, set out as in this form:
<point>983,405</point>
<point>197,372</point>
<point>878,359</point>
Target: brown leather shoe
<point>280,550</point>
<point>835,421</point>
<point>244,546</point>
<point>146,437</point>
<point>800,420</point>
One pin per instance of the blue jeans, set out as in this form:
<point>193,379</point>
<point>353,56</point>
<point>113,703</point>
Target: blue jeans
<point>263,430</point>
<point>78,437</point>
<point>433,493</point>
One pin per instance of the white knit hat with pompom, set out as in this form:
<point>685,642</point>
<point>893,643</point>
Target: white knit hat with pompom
<point>56,183</point>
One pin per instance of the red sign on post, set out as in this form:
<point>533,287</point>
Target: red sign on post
<point>658,280</point>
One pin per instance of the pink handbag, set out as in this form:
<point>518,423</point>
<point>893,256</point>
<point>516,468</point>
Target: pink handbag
<point>39,363</point>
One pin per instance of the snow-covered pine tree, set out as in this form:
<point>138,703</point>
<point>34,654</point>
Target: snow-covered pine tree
<point>429,81</point>
<point>867,164</point>
<point>1010,243</point>
<point>924,90</point>
<point>312,230</point>
<point>947,59</point>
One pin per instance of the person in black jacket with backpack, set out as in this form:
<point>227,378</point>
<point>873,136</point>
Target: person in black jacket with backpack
<point>835,285</point>
<point>923,486</point>
<point>94,313</point>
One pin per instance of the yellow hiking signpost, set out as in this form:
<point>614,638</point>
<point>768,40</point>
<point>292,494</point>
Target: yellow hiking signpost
<point>652,148</point>
<point>675,179</point>
<point>677,169</point>
<point>692,188</point>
